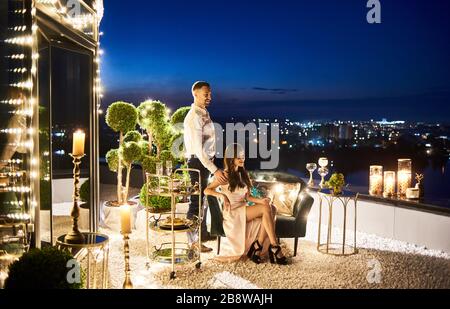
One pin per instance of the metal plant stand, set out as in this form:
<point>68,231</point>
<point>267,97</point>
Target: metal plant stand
<point>340,249</point>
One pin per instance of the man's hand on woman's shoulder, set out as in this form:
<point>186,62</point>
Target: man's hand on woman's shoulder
<point>220,176</point>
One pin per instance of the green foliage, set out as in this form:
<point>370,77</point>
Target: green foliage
<point>336,182</point>
<point>167,156</point>
<point>112,158</point>
<point>42,269</point>
<point>152,114</point>
<point>145,148</point>
<point>162,135</point>
<point>158,203</point>
<point>121,117</point>
<point>130,152</point>
<point>132,136</point>
<point>84,191</point>
<point>149,164</point>
<point>177,118</point>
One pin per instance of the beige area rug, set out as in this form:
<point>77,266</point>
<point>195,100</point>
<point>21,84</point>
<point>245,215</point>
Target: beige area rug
<point>311,269</point>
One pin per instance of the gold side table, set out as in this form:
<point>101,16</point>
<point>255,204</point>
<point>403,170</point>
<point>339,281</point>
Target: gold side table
<point>344,199</point>
<point>93,257</point>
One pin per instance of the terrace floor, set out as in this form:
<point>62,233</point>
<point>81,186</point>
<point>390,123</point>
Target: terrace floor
<point>380,263</point>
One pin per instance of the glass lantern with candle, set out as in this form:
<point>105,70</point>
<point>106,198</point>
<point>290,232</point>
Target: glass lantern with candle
<point>404,176</point>
<point>389,184</point>
<point>376,180</point>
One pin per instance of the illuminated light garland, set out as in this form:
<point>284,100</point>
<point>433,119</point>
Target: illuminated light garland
<point>21,189</point>
<point>18,70</point>
<point>12,101</point>
<point>19,28</point>
<point>25,85</point>
<point>12,131</point>
<point>20,40</point>
<point>16,56</point>
<point>24,112</point>
<point>18,216</point>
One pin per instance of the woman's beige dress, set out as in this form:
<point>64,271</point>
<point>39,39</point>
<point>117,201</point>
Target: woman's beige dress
<point>240,234</point>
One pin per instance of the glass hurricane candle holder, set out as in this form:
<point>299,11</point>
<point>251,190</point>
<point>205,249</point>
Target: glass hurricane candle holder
<point>169,167</point>
<point>323,171</point>
<point>389,184</point>
<point>376,180</point>
<point>311,167</point>
<point>323,162</point>
<point>159,168</point>
<point>404,176</point>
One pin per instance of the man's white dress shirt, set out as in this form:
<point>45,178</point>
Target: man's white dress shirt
<point>200,137</point>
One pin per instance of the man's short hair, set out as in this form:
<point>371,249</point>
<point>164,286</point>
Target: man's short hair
<point>200,85</point>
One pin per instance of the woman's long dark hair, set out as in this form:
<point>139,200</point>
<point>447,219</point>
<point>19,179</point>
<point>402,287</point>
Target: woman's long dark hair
<point>236,178</point>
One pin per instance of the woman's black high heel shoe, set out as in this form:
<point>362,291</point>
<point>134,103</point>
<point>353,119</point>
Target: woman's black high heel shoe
<point>252,252</point>
<point>274,257</point>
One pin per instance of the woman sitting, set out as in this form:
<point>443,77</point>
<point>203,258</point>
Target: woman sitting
<point>248,229</point>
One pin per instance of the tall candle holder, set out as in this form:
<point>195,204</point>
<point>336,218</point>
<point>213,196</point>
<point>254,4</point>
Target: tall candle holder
<point>127,284</point>
<point>376,180</point>
<point>75,236</point>
<point>404,176</point>
<point>323,171</point>
<point>389,184</point>
<point>311,167</point>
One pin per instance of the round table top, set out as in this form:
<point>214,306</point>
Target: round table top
<point>90,240</point>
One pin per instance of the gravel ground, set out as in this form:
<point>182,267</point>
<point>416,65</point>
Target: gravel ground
<point>380,263</point>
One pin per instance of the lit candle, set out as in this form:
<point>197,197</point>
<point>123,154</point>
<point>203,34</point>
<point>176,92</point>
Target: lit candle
<point>125,219</point>
<point>78,143</point>
<point>404,176</point>
<point>389,183</point>
<point>376,180</point>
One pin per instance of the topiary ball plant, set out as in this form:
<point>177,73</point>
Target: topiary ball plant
<point>177,118</point>
<point>121,117</point>
<point>155,203</point>
<point>132,136</point>
<point>130,152</point>
<point>165,156</point>
<point>41,269</point>
<point>84,191</point>
<point>149,164</point>
<point>112,158</point>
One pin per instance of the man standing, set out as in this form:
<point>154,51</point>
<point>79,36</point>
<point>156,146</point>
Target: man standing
<point>200,146</point>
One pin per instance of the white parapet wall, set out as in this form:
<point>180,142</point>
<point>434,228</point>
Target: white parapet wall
<point>414,226</point>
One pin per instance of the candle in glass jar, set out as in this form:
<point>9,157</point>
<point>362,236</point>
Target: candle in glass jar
<point>376,180</point>
<point>125,219</point>
<point>78,143</point>
<point>404,176</point>
<point>389,183</point>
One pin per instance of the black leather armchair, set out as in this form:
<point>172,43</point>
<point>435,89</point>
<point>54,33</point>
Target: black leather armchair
<point>286,226</point>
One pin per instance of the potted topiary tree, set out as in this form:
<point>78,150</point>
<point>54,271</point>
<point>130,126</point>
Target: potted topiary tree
<point>41,269</point>
<point>130,152</point>
<point>153,117</point>
<point>121,117</point>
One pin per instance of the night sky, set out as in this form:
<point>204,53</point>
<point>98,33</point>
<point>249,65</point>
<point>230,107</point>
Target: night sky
<point>306,60</point>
